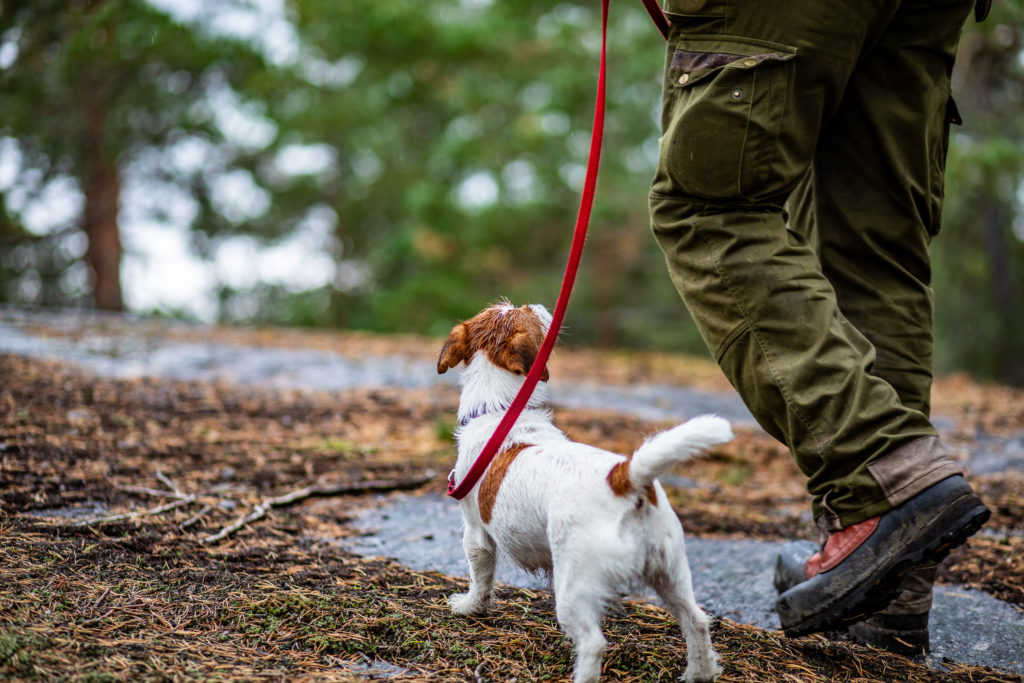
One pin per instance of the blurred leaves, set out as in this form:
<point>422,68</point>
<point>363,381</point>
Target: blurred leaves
<point>978,257</point>
<point>428,157</point>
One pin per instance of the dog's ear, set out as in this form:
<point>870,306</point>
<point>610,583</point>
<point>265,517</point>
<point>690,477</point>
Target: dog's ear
<point>455,349</point>
<point>519,353</point>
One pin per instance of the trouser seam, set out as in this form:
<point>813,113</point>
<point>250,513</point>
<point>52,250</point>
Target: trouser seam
<point>731,339</point>
<point>776,126</point>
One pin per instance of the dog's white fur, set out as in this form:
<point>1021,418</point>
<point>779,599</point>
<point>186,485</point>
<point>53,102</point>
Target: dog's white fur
<point>556,510</point>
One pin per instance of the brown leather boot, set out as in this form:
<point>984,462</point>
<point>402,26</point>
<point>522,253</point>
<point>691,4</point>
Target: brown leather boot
<point>902,627</point>
<point>860,568</point>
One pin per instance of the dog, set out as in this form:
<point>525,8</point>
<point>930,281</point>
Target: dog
<point>595,521</point>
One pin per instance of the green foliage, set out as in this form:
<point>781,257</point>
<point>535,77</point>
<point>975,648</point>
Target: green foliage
<point>456,133</point>
<point>979,288</point>
<point>120,84</point>
<point>447,96</point>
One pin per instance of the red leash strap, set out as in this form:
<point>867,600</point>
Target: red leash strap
<point>659,18</point>
<point>478,468</point>
<point>476,471</point>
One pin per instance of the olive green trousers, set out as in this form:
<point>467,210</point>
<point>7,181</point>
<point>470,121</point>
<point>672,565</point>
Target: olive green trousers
<point>799,184</point>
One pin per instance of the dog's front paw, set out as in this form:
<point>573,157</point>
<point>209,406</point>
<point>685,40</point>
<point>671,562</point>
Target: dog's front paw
<point>705,671</point>
<point>466,604</point>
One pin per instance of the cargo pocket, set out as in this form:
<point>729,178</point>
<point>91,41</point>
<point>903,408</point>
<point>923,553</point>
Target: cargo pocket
<point>723,103</point>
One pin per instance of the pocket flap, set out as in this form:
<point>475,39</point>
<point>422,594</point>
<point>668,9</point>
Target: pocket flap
<point>695,57</point>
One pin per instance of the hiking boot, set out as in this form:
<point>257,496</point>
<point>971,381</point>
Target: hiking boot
<point>902,627</point>
<point>859,570</point>
<point>790,564</point>
<point>903,634</point>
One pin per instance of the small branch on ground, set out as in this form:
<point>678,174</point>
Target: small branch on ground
<point>145,491</point>
<point>195,518</point>
<point>168,483</point>
<point>172,489</point>
<point>158,510</point>
<point>318,490</point>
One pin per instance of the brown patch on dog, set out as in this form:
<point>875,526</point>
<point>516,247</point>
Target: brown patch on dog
<point>495,474</point>
<point>511,338</point>
<point>652,495</point>
<point>618,480</point>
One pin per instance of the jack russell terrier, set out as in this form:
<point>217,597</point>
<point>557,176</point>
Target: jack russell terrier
<point>594,521</point>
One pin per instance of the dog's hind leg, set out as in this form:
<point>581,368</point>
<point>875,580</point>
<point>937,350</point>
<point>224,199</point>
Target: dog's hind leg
<point>675,588</point>
<point>579,609</point>
<point>482,555</point>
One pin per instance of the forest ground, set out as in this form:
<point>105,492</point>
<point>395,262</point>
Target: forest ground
<point>111,489</point>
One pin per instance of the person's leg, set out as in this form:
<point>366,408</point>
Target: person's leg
<point>748,86</point>
<point>870,211</point>
<point>887,299</point>
<point>901,627</point>
<point>877,188</point>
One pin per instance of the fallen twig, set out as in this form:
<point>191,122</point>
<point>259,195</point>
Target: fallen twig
<point>160,509</point>
<point>195,518</point>
<point>168,483</point>
<point>173,492</point>
<point>103,596</point>
<point>157,493</point>
<point>261,510</point>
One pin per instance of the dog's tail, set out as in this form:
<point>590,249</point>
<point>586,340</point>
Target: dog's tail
<point>663,450</point>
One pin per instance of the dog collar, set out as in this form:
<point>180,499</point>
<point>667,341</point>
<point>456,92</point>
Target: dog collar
<point>480,412</point>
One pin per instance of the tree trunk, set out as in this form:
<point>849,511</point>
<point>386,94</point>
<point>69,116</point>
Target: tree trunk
<point>1005,293</point>
<point>981,61</point>
<point>101,184</point>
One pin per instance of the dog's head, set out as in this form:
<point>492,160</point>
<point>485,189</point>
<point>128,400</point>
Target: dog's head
<point>511,337</point>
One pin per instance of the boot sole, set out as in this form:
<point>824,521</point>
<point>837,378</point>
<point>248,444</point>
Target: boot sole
<point>875,593</point>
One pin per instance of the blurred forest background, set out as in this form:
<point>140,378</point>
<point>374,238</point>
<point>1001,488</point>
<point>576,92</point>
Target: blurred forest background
<point>392,165</point>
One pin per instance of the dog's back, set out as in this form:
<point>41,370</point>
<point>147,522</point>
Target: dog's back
<point>553,493</point>
<point>548,491</point>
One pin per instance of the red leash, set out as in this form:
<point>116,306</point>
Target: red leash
<point>657,16</point>
<point>482,461</point>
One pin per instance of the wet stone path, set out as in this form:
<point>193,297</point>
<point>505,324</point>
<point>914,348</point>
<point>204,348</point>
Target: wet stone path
<point>732,579</point>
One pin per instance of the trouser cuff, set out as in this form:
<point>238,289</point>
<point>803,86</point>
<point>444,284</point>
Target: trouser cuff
<point>910,469</point>
<point>901,474</point>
